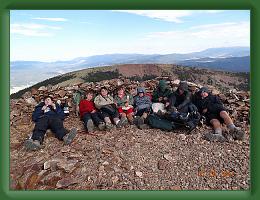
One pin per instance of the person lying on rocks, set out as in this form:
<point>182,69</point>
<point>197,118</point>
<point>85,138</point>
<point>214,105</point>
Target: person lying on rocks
<point>124,102</point>
<point>160,97</point>
<point>48,115</point>
<point>142,105</point>
<point>105,103</point>
<point>181,109</point>
<point>89,114</point>
<point>213,109</point>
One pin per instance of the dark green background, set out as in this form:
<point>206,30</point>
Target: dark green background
<point>6,5</point>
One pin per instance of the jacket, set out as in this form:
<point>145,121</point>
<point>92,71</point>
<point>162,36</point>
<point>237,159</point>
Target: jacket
<point>179,100</point>
<point>86,106</point>
<point>211,102</point>
<point>101,101</point>
<point>120,102</point>
<point>39,113</point>
<point>142,102</point>
<point>161,91</point>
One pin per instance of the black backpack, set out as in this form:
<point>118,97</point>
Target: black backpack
<point>156,122</point>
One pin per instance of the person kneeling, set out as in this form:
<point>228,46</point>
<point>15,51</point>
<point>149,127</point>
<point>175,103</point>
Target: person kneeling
<point>89,114</point>
<point>48,115</point>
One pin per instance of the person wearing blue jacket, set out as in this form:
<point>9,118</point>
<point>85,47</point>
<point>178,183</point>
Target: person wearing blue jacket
<point>48,115</point>
<point>142,106</point>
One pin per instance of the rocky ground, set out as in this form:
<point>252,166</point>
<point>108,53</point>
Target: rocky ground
<point>130,158</point>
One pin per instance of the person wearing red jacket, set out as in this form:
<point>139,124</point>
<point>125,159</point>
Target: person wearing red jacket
<point>89,114</point>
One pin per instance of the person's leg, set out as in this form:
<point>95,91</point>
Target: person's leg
<point>56,126</point>
<point>235,132</point>
<point>228,121</point>
<point>98,121</point>
<point>130,115</point>
<point>217,136</point>
<point>40,129</point>
<point>88,123</point>
<point>216,126</point>
<point>106,118</point>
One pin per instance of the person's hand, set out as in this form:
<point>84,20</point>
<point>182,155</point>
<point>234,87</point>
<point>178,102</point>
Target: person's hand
<point>160,99</point>
<point>205,110</point>
<point>44,107</point>
<point>167,104</point>
<point>53,105</point>
<point>93,111</point>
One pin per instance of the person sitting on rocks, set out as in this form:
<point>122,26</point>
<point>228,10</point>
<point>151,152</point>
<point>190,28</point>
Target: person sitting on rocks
<point>89,113</point>
<point>162,93</point>
<point>48,115</point>
<point>213,109</point>
<point>160,97</point>
<point>181,109</point>
<point>105,103</point>
<point>125,107</point>
<point>142,104</point>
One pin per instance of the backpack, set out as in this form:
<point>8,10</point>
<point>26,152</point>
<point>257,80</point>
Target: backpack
<point>77,97</point>
<point>156,122</point>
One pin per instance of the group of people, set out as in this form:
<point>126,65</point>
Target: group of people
<point>164,109</point>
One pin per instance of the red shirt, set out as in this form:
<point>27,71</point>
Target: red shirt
<point>86,106</point>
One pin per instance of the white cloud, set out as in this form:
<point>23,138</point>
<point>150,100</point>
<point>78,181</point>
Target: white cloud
<point>165,15</point>
<point>214,11</point>
<point>39,30</point>
<point>51,19</point>
<point>168,15</point>
<point>198,38</point>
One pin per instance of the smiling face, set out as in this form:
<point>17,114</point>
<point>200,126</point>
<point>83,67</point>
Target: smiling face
<point>104,92</point>
<point>89,96</point>
<point>48,101</point>
<point>121,91</point>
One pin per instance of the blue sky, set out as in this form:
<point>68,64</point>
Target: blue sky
<point>42,35</point>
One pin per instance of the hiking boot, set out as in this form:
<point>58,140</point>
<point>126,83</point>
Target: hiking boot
<point>214,137</point>
<point>32,145</point>
<point>109,126</point>
<point>144,126</point>
<point>101,126</point>
<point>123,121</point>
<point>190,125</point>
<point>135,120</point>
<point>140,121</point>
<point>237,134</point>
<point>70,136</point>
<point>90,126</point>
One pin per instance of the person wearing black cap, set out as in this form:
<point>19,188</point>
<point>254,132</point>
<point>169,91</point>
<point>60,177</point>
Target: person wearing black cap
<point>48,115</point>
<point>180,107</point>
<point>213,109</point>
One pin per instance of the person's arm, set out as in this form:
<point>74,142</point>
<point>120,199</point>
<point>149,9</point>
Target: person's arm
<point>38,112</point>
<point>186,101</point>
<point>155,96</point>
<point>97,102</point>
<point>117,101</point>
<point>60,111</point>
<point>131,99</point>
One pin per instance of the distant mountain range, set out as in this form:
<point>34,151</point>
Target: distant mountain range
<point>26,73</point>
